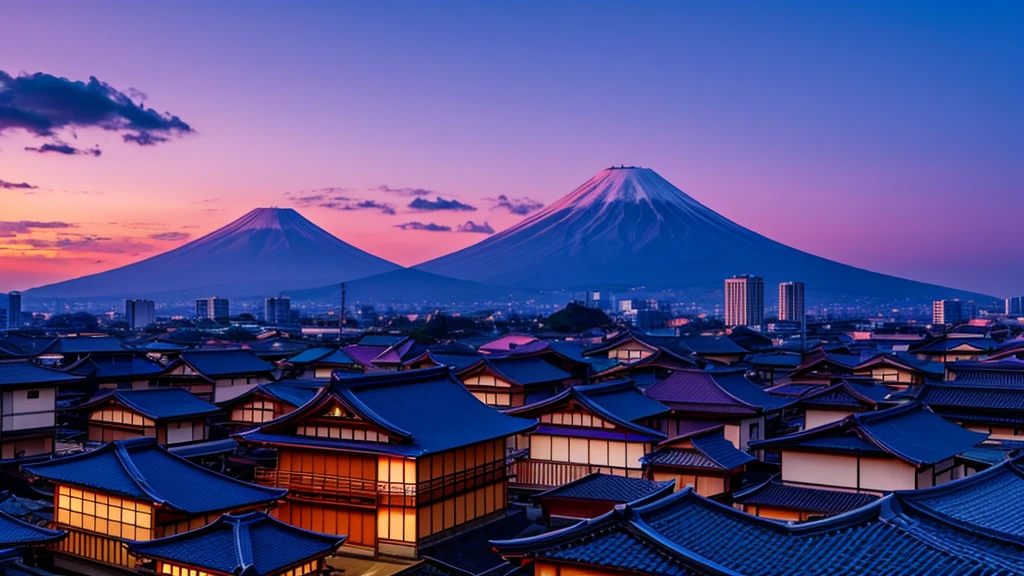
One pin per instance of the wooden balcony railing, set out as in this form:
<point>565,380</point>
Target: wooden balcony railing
<point>317,483</point>
<point>544,473</point>
<point>94,547</point>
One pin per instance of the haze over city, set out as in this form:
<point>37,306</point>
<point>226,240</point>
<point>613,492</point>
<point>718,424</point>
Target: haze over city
<point>875,134</point>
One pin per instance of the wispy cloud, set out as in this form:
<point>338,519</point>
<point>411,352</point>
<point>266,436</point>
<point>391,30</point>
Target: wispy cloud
<point>16,185</point>
<point>44,105</point>
<point>404,191</point>
<point>60,147</point>
<point>440,204</point>
<point>518,206</point>
<point>171,236</point>
<point>9,229</point>
<point>473,227</point>
<point>350,204</point>
<point>424,227</point>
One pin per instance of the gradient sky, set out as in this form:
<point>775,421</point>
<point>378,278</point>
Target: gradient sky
<point>885,135</point>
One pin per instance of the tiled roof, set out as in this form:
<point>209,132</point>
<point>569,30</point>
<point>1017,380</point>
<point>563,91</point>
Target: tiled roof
<point>710,450</point>
<point>459,361</point>
<point>384,340</point>
<point>847,393</point>
<point>15,533</point>
<point>947,344</point>
<point>251,544</point>
<point>322,356</point>
<point>618,402</point>
<point>910,432</point>
<point>775,494</point>
<point>608,488</point>
<point>432,567</point>
<point>422,411</point>
<point>905,360</point>
<point>775,359</point>
<point>954,395</point>
<point>227,362</point>
<point>142,469</point>
<point>156,403</point>
<point>85,345</point>
<point>714,393</point>
<point>712,345</point>
<point>115,366</point>
<point>23,372</point>
<point>524,371</point>
<point>688,534</point>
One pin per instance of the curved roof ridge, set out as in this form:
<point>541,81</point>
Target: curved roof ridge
<point>684,556</point>
<point>243,546</point>
<point>360,408</point>
<point>121,451</point>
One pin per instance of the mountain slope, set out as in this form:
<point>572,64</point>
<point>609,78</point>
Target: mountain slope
<point>631,227</point>
<point>264,252</point>
<point>410,286</point>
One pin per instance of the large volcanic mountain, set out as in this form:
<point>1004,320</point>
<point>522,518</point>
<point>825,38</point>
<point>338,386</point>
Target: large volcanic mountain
<point>631,227</point>
<point>262,253</point>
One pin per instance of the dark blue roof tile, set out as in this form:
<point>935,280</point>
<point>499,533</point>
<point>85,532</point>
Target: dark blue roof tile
<point>25,373</point>
<point>15,533</point>
<point>156,403</point>
<point>228,362</point>
<point>775,494</point>
<point>608,488</point>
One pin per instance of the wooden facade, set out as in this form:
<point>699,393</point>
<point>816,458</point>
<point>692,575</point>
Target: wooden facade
<point>28,406</point>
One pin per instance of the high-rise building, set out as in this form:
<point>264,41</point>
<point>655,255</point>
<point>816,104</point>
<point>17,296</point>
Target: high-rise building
<point>139,313</point>
<point>791,303</point>
<point>744,301</point>
<point>277,310</point>
<point>946,312</point>
<point>215,309</point>
<point>1015,306</point>
<point>14,310</point>
<point>3,319</point>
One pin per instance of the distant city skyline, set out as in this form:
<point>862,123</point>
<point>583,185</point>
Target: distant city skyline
<point>882,136</point>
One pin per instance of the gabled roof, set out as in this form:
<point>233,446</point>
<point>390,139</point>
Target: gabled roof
<point>775,494</point>
<point>844,363</point>
<point>723,393</point>
<point>457,361</point>
<point>905,361</point>
<point>668,344</point>
<point>608,488</point>
<point>1007,372</point>
<point>422,411</point>
<point>85,345</point>
<point>910,432</point>
<point>687,534</point>
<point>847,393</point>
<point>115,366</point>
<point>164,403</point>
<point>526,371</point>
<point>251,544</point>
<point>15,533</point>
<point>332,355</point>
<point>707,448</point>
<point>946,344</point>
<point>776,359</point>
<point>383,340</point>
<point>713,345</point>
<point>25,373</point>
<point>956,401</point>
<point>142,469</point>
<point>506,343</point>
<point>620,403</point>
<point>227,362</point>
<point>292,392</point>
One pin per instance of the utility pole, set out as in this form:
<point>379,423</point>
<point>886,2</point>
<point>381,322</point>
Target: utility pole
<point>341,319</point>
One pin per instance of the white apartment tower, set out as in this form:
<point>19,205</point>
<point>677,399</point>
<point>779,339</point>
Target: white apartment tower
<point>744,301</point>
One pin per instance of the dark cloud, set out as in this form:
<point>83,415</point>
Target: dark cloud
<point>404,191</point>
<point>59,147</point>
<point>170,236</point>
<point>43,105</point>
<point>471,226</point>
<point>16,185</point>
<point>422,226</point>
<point>348,204</point>
<point>97,244</point>
<point>425,205</point>
<point>9,229</point>
<point>518,206</point>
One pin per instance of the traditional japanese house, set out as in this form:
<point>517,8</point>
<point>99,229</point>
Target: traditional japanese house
<point>992,406</point>
<point>393,460</point>
<point>164,352</point>
<point>953,349</point>
<point>28,409</point>
<point>775,499</point>
<point>901,448</point>
<point>604,428</point>
<point>171,415</point>
<point>320,362</point>
<point>67,350</point>
<point>135,490</point>
<point>15,533</point>
<point>595,494</point>
<point>252,544</point>
<point>961,528</point>
<point>715,349</point>
<point>512,381</point>
<point>218,374</point>
<point>821,367</point>
<point>699,399</point>
<point>428,566</point>
<point>376,352</point>
<point>774,367</point>
<point>507,343</point>
<point>703,460</point>
<point>432,359</point>
<point>750,339</point>
<point>269,401</point>
<point>642,358</point>
<point>826,404</point>
<point>1004,372</point>
<point>132,371</point>
<point>900,369</point>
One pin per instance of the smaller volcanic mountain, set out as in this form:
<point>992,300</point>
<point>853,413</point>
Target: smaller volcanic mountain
<point>267,251</point>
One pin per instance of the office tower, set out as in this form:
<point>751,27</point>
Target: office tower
<point>791,302</point>
<point>215,309</point>
<point>1015,306</point>
<point>277,310</point>
<point>3,319</point>
<point>744,301</point>
<point>945,312</point>
<point>139,313</point>
<point>14,310</point>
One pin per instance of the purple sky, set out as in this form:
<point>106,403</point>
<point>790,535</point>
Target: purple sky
<point>884,136</point>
